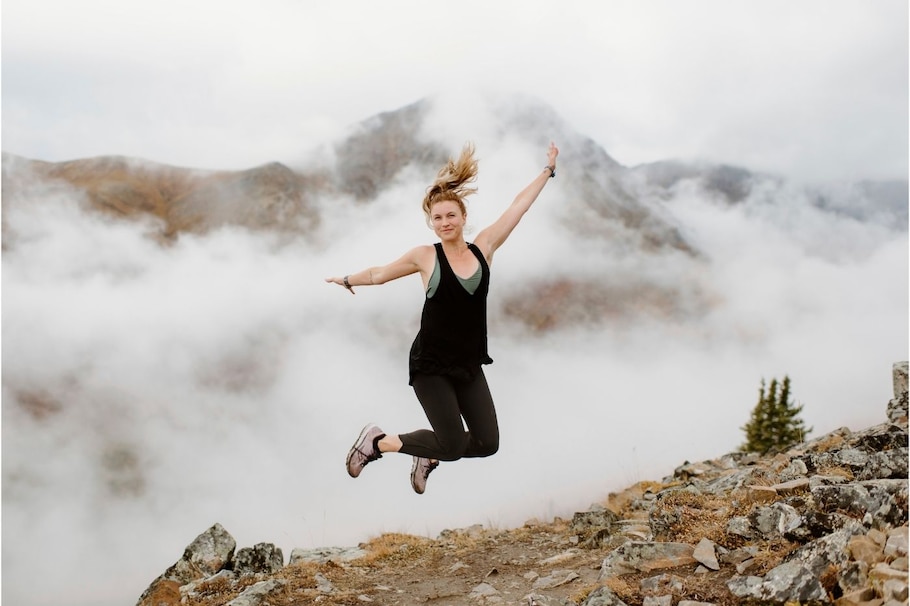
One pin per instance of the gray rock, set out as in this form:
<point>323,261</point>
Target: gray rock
<point>206,555</point>
<point>662,583</point>
<point>791,581</point>
<point>897,407</point>
<point>210,551</point>
<point>483,590</point>
<point>255,594</point>
<point>556,579</point>
<point>774,521</point>
<point>603,597</point>
<point>887,464</point>
<point>854,576</point>
<point>660,600</point>
<point>585,522</point>
<point>322,555</point>
<point>644,557</point>
<point>896,544</point>
<point>740,526</point>
<point>706,555</point>
<point>886,436</point>
<point>884,499</point>
<point>262,558</point>
<point>535,599</point>
<point>323,585</point>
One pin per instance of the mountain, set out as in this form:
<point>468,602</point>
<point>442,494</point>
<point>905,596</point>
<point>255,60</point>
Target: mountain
<point>625,215</point>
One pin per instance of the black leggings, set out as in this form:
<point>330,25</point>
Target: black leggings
<point>445,401</point>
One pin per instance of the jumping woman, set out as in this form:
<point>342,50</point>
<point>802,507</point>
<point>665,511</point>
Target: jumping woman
<point>447,354</point>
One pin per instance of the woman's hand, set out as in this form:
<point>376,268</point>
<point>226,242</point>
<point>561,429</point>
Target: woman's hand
<point>341,282</point>
<point>551,155</point>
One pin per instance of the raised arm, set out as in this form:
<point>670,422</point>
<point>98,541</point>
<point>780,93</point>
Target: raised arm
<point>492,237</point>
<point>413,261</point>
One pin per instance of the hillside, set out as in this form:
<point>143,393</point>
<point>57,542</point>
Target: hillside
<point>823,522</point>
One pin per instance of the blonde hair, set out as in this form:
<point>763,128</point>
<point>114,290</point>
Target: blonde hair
<point>452,181</point>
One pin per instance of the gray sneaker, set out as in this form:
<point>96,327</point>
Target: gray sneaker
<point>420,471</point>
<point>363,452</point>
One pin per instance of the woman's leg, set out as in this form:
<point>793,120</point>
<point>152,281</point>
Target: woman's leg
<point>445,401</point>
<point>448,440</point>
<point>476,404</point>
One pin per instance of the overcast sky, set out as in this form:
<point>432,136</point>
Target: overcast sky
<point>815,89</point>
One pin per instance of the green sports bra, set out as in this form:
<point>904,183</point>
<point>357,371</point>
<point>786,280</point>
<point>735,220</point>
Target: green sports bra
<point>470,284</point>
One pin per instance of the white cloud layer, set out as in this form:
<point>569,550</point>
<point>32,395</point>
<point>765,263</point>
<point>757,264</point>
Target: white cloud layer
<point>815,90</point>
<point>221,380</point>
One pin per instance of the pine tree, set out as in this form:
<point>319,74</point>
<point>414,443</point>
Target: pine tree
<point>775,423</point>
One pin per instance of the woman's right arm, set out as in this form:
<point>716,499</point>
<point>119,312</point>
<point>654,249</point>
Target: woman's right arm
<point>413,261</point>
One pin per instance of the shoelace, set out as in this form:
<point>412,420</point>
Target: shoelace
<point>369,457</point>
<point>430,467</point>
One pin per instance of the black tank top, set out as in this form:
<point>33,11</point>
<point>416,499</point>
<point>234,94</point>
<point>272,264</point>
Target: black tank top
<point>453,326</point>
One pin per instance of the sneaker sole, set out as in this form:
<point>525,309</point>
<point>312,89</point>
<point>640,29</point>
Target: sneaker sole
<point>414,471</point>
<point>347,462</point>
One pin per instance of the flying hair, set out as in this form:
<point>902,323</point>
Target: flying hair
<point>452,181</point>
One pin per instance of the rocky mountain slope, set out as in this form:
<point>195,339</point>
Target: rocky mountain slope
<point>823,522</point>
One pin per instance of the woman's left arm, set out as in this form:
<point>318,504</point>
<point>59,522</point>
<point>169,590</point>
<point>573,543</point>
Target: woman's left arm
<point>492,237</point>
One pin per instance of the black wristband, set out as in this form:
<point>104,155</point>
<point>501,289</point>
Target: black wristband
<point>346,283</point>
<point>552,170</point>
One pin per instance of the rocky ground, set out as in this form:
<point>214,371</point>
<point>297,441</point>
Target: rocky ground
<point>824,522</point>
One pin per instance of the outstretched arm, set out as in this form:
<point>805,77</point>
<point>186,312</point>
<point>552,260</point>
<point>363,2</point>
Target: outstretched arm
<point>413,261</point>
<point>492,237</point>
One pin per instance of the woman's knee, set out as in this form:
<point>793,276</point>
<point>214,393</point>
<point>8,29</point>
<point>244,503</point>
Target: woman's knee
<point>490,448</point>
<point>453,447</point>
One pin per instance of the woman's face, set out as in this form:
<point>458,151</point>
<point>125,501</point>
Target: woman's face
<point>447,220</point>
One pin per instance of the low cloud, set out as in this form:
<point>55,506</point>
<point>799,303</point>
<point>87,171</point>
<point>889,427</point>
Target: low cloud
<point>150,391</point>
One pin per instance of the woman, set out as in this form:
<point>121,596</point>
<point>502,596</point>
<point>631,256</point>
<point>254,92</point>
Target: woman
<point>447,354</point>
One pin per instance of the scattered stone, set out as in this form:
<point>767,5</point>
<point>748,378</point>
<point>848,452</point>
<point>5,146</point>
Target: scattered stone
<point>555,579</point>
<point>745,566</point>
<point>457,566</point>
<point>645,557</point>
<point>774,521</point>
<point>255,594</point>
<point>662,583</point>
<point>603,597</point>
<point>896,544</point>
<point>475,531</point>
<point>571,554</point>
<point>791,581</point>
<point>322,555</point>
<point>661,600</point>
<point>263,558</point>
<point>897,407</point>
<point>323,585</point>
<point>740,526</point>
<point>207,554</point>
<point>586,522</point>
<point>705,554</point>
<point>483,591</point>
<point>534,599</point>
<point>864,549</point>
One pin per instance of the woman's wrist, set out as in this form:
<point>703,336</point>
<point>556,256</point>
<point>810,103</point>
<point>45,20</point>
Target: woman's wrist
<point>551,168</point>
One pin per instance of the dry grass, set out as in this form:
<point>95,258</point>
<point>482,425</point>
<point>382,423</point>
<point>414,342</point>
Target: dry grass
<point>829,443</point>
<point>394,547</point>
<point>698,516</point>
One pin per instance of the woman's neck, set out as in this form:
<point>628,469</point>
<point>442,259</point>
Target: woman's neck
<point>454,248</point>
